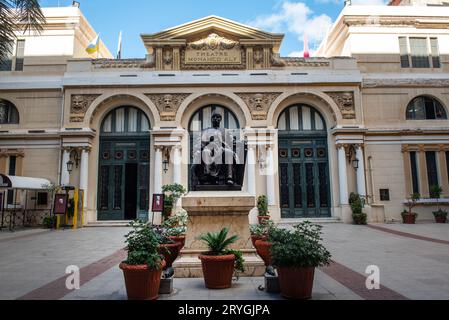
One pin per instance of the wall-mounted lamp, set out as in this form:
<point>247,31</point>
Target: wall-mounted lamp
<point>355,163</point>
<point>69,165</point>
<point>165,163</point>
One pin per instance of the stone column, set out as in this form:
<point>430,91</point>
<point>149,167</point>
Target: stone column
<point>158,170</point>
<point>270,176</point>
<point>342,175</point>
<point>251,170</point>
<point>443,171</point>
<point>177,164</point>
<point>65,175</point>
<point>84,173</point>
<point>361,180</point>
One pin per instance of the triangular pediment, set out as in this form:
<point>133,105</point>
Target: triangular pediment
<point>202,28</point>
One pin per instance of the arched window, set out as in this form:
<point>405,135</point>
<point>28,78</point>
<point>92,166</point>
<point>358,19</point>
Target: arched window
<point>202,118</point>
<point>425,108</point>
<point>8,113</point>
<point>301,117</point>
<point>125,120</point>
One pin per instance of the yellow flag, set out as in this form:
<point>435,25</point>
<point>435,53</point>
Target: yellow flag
<point>94,45</point>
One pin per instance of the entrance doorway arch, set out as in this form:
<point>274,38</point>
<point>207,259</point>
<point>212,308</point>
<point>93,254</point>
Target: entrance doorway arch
<point>303,163</point>
<point>123,169</point>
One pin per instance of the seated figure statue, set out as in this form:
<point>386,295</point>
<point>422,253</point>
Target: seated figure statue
<point>214,161</point>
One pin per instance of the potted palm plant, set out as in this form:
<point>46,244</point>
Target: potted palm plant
<point>143,267</point>
<point>409,217</point>
<point>262,208</point>
<point>357,203</point>
<point>440,215</point>
<point>219,263</point>
<point>296,253</point>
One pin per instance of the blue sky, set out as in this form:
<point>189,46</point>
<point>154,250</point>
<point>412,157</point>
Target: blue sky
<point>133,17</point>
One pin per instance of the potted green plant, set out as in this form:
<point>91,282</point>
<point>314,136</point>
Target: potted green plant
<point>143,267</point>
<point>167,247</point>
<point>259,238</point>
<point>262,208</point>
<point>49,222</point>
<point>219,263</point>
<point>409,217</point>
<point>172,193</point>
<point>177,227</point>
<point>440,215</point>
<point>296,253</point>
<point>357,203</point>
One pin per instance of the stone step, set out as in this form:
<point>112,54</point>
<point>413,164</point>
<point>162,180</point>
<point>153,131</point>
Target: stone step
<point>120,223</point>
<point>313,220</point>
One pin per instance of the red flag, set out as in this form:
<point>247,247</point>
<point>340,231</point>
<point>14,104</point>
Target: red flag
<point>306,46</point>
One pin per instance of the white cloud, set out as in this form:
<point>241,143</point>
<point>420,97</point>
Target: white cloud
<point>297,18</point>
<point>356,2</point>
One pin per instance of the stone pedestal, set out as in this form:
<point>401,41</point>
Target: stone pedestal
<point>210,212</point>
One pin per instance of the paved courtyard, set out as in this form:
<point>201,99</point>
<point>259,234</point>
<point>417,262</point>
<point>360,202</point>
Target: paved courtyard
<point>412,259</point>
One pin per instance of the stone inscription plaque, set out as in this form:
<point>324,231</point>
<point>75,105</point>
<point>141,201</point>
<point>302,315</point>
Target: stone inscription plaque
<point>214,49</point>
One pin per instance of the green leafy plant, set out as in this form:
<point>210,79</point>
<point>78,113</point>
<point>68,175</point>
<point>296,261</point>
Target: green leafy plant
<point>299,248</point>
<point>142,246</point>
<point>176,225</point>
<point>49,222</point>
<point>261,229</point>
<point>262,205</point>
<point>411,203</point>
<point>218,243</point>
<point>435,193</point>
<point>172,192</point>
<point>357,203</point>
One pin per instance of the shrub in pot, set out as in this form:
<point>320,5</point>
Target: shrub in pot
<point>296,253</point>
<point>167,247</point>
<point>143,267</point>
<point>219,263</point>
<point>259,238</point>
<point>440,215</point>
<point>49,222</point>
<point>262,208</point>
<point>357,203</point>
<point>177,228</point>
<point>172,193</point>
<point>408,216</point>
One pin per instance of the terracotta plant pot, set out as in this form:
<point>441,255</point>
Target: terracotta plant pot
<point>296,283</point>
<point>255,238</point>
<point>181,240</point>
<point>409,219</point>
<point>170,252</point>
<point>141,282</point>
<point>263,250</point>
<point>218,270</point>
<point>440,219</point>
<point>263,218</point>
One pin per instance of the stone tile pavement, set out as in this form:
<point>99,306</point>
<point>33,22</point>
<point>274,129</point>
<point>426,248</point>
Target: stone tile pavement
<point>412,268</point>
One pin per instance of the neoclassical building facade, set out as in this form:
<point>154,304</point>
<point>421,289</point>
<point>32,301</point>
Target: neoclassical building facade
<point>367,115</point>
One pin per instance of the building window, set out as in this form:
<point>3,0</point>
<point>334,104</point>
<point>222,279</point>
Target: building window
<point>42,198</point>
<point>414,167</point>
<point>384,194</point>
<point>301,118</point>
<point>11,172</point>
<point>8,113</point>
<point>425,108</point>
<point>125,120</point>
<point>15,56</point>
<point>432,168</point>
<point>418,52</point>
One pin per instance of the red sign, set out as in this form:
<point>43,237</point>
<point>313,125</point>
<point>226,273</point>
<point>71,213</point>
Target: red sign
<point>158,203</point>
<point>60,203</point>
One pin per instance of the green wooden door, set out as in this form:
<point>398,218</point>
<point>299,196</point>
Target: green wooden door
<point>304,177</point>
<point>124,162</point>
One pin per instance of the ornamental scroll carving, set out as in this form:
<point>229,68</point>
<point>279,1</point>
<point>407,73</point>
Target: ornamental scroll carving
<point>259,103</point>
<point>167,104</point>
<point>79,104</point>
<point>345,102</point>
<point>213,42</point>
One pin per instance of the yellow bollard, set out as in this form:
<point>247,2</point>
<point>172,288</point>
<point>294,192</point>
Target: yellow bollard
<point>82,208</point>
<point>58,221</point>
<point>75,214</point>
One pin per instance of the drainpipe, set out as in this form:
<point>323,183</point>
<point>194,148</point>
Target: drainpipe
<point>60,137</point>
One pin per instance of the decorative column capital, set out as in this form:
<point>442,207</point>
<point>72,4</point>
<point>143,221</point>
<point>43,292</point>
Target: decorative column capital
<point>159,148</point>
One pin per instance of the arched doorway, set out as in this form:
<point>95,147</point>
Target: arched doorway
<point>124,160</point>
<point>303,163</point>
<point>200,120</point>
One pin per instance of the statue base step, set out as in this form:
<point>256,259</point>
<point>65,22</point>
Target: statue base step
<point>189,266</point>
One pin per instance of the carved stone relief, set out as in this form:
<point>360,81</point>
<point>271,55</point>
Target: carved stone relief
<point>345,102</point>
<point>79,104</point>
<point>259,103</point>
<point>167,104</point>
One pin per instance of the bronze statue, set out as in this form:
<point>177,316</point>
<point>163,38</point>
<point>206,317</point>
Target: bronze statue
<point>215,160</point>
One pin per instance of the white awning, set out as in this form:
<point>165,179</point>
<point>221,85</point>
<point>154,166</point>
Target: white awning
<point>24,183</point>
